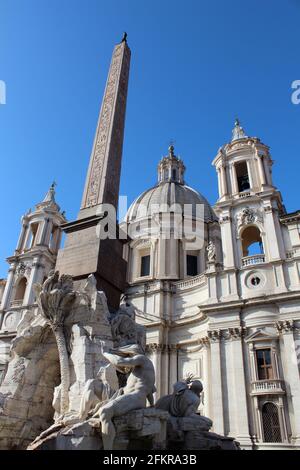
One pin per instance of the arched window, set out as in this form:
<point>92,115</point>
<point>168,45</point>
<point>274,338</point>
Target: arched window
<point>252,242</point>
<point>271,424</point>
<point>21,288</point>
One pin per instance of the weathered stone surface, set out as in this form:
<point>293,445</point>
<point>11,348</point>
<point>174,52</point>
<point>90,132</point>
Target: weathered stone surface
<point>27,392</point>
<point>140,429</point>
<point>188,434</point>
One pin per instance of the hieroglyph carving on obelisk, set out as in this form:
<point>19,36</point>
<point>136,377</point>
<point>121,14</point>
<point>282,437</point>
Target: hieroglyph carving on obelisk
<point>103,178</point>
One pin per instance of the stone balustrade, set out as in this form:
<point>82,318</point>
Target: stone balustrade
<point>244,194</point>
<point>261,387</point>
<point>250,260</point>
<point>186,284</point>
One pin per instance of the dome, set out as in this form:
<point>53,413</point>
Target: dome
<point>155,199</point>
<point>170,190</point>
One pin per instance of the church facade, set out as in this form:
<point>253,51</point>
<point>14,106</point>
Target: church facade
<point>217,288</point>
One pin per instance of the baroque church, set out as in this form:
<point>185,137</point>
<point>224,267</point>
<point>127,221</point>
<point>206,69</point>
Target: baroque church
<point>220,301</point>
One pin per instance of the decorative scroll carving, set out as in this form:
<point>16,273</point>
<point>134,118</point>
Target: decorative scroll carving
<point>285,326</point>
<point>214,335</point>
<point>226,334</point>
<point>154,347</point>
<point>233,333</point>
<point>247,216</point>
<point>224,219</point>
<point>23,268</point>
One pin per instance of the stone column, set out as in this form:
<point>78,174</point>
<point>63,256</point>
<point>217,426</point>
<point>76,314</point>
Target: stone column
<point>273,234</point>
<point>239,401</point>
<point>173,370</point>
<point>216,382</point>
<point>282,420</point>
<point>227,242</point>
<point>212,283</point>
<point>291,375</point>
<point>156,359</point>
<point>54,241</point>
<point>27,236</point>
<point>47,234</point>
<point>258,421</point>
<point>173,257</point>
<point>219,182</point>
<point>261,170</point>
<point>35,276</point>
<point>223,180</point>
<point>8,287</point>
<point>251,183</point>
<point>206,384</point>
<point>164,386</point>
<point>266,163</point>
<point>21,237</point>
<point>41,240</point>
<point>234,182</point>
<point>162,257</point>
<point>39,232</point>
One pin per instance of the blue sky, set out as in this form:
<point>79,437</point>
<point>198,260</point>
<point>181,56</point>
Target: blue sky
<point>195,66</point>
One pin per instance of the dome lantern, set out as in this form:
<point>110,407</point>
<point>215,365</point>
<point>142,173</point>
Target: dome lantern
<point>171,168</point>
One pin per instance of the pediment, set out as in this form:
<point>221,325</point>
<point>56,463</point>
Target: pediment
<point>260,335</point>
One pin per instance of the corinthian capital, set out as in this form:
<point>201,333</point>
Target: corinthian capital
<point>214,335</point>
<point>285,326</point>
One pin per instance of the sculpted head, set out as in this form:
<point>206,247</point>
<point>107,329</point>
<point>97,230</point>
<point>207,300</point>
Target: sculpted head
<point>196,387</point>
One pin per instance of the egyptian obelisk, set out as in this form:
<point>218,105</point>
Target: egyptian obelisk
<point>84,253</point>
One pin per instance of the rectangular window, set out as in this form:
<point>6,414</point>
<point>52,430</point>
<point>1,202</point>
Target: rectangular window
<point>242,176</point>
<point>191,265</point>
<point>264,364</point>
<point>145,265</point>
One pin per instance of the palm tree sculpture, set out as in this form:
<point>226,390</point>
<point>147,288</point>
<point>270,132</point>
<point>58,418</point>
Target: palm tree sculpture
<point>55,298</point>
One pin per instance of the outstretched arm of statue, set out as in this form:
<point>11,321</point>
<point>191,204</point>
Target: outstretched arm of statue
<point>119,361</point>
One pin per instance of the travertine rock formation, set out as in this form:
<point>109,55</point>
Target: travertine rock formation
<point>28,390</point>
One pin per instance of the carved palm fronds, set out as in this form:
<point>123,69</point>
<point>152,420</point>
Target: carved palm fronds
<point>55,298</point>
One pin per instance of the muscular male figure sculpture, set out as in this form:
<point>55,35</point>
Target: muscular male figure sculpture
<point>139,388</point>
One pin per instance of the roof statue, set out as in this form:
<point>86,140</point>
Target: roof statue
<point>238,132</point>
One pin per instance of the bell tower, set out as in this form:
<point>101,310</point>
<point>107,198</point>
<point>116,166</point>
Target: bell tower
<point>244,166</point>
<point>249,205</point>
<point>34,256</point>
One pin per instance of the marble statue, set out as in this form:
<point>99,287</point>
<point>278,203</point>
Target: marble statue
<point>95,393</point>
<point>139,388</point>
<point>185,401</point>
<point>211,252</point>
<point>186,429</point>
